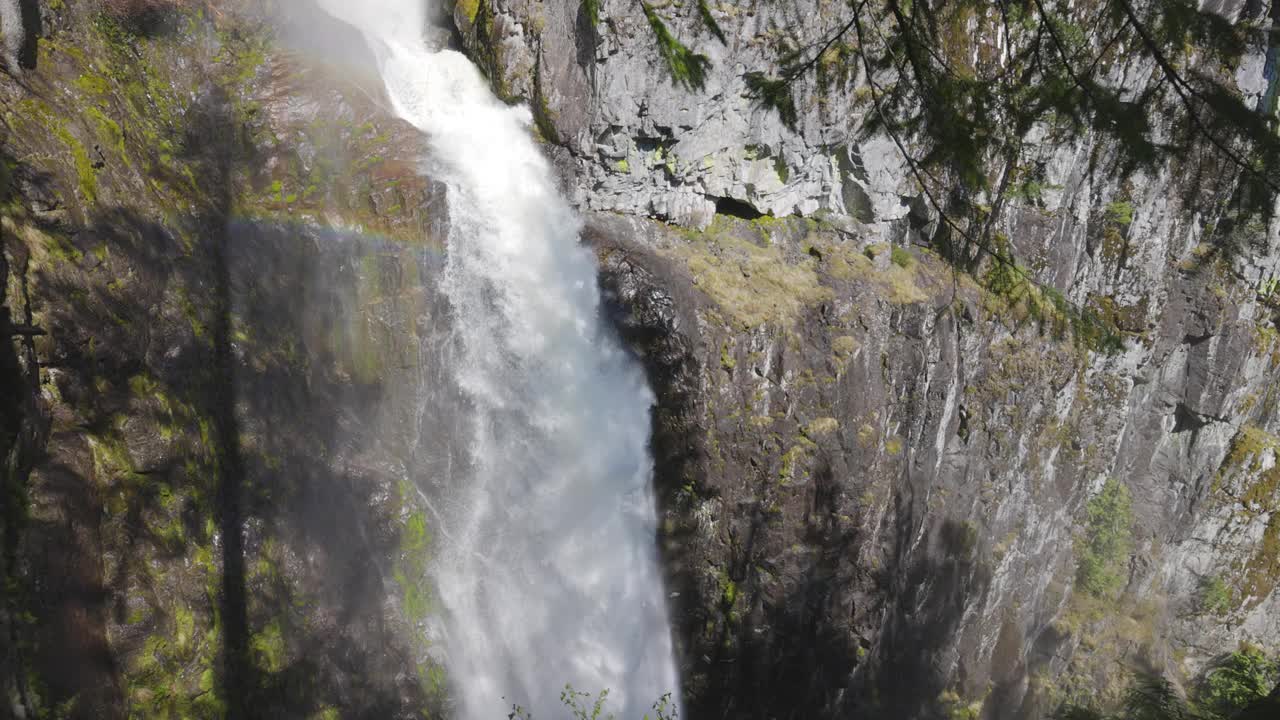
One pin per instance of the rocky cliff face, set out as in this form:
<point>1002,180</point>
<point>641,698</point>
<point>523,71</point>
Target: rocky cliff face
<point>883,476</point>
<point>640,143</point>
<point>218,313</point>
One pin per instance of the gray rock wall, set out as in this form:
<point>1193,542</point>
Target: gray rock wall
<point>645,145</point>
<point>877,475</point>
<point>874,503</point>
<point>875,470</point>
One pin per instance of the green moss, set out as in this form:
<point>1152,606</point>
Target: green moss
<point>729,596</point>
<point>46,247</point>
<point>192,314</point>
<point>93,84</point>
<point>184,625</point>
<point>111,457</point>
<point>415,596</point>
<point>1248,449</point>
<point>726,358</point>
<point>867,435</point>
<point>416,538</point>
<point>109,132</point>
<point>144,386</point>
<point>411,576</point>
<point>173,674</point>
<point>1120,213</point>
<point>269,649</point>
<point>893,445</point>
<point>1252,449</point>
<point>436,680</point>
<point>243,55</point>
<point>1262,573</point>
<point>901,257</point>
<point>470,9</point>
<point>792,459</point>
<point>86,174</point>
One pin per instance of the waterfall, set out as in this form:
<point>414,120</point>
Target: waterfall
<point>549,574</point>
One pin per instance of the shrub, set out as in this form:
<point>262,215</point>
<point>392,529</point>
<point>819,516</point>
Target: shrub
<point>1107,540</point>
<point>1120,213</point>
<point>1237,689</point>
<point>1238,681</point>
<point>585,706</point>
<point>901,257</point>
<point>1215,596</point>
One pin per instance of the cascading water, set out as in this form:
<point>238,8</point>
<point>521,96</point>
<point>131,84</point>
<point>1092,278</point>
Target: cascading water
<point>549,574</point>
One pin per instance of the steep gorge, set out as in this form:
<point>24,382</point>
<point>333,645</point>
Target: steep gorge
<point>874,471</point>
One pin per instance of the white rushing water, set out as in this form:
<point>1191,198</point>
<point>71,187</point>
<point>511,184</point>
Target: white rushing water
<point>550,572</point>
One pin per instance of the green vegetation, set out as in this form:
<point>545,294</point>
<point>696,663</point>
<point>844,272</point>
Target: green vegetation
<point>750,278</point>
<point>901,257</point>
<point>687,68</point>
<point>585,706</point>
<point>1250,476</point>
<point>709,21</point>
<point>1237,687</point>
<point>726,358</point>
<point>960,112</point>
<point>1215,597</point>
<point>417,594</point>
<point>1014,297</point>
<point>469,8</point>
<point>1252,450</point>
<point>844,347</point>
<point>269,651</point>
<point>1120,213</point>
<point>1269,290</point>
<point>821,427</point>
<point>1238,682</point>
<point>592,8</point>
<point>956,707</point>
<point>895,283</point>
<point>1103,550</point>
<point>40,118</point>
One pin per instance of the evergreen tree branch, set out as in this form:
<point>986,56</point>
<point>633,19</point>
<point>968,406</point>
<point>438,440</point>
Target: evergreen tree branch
<point>1080,317</point>
<point>687,67</point>
<point>1186,93</point>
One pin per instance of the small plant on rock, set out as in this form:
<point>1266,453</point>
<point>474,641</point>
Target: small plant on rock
<point>1215,596</point>
<point>1107,540</point>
